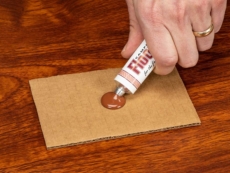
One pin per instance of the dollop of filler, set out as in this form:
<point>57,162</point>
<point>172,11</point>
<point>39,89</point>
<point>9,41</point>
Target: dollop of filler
<point>112,101</point>
<point>132,75</point>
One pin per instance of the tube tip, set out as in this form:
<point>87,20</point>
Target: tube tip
<point>120,91</point>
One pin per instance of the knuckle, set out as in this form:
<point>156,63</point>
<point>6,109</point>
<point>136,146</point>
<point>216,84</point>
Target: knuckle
<point>190,60</point>
<point>217,29</point>
<point>169,61</point>
<point>188,64</point>
<point>204,48</point>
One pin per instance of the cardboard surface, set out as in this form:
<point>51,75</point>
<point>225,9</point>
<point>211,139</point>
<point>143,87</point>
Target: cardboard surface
<point>70,112</point>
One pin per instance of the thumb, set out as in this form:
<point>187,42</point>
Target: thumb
<point>135,34</point>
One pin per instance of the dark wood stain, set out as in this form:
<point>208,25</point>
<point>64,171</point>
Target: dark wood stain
<point>41,38</point>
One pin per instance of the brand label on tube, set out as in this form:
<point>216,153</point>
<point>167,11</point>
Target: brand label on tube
<point>136,70</point>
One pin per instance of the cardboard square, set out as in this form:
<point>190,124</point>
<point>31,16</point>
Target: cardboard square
<point>70,112</point>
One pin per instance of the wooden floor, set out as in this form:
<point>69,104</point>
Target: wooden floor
<point>41,38</point>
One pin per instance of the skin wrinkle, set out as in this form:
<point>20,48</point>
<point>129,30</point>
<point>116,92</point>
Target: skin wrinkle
<point>131,24</point>
<point>201,12</point>
<point>154,16</point>
<point>179,12</point>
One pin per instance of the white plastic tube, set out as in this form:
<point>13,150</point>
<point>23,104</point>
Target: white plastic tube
<point>135,71</point>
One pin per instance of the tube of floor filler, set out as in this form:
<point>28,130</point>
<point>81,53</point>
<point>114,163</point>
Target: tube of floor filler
<point>135,71</point>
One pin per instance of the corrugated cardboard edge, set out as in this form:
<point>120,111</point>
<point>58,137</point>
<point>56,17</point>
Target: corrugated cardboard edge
<point>127,135</point>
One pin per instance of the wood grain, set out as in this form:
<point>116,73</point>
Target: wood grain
<point>41,38</point>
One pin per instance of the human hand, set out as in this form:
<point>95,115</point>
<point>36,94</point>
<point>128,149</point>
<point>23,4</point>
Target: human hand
<point>168,26</point>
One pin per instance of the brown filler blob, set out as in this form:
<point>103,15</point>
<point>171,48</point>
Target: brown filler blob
<point>112,101</point>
